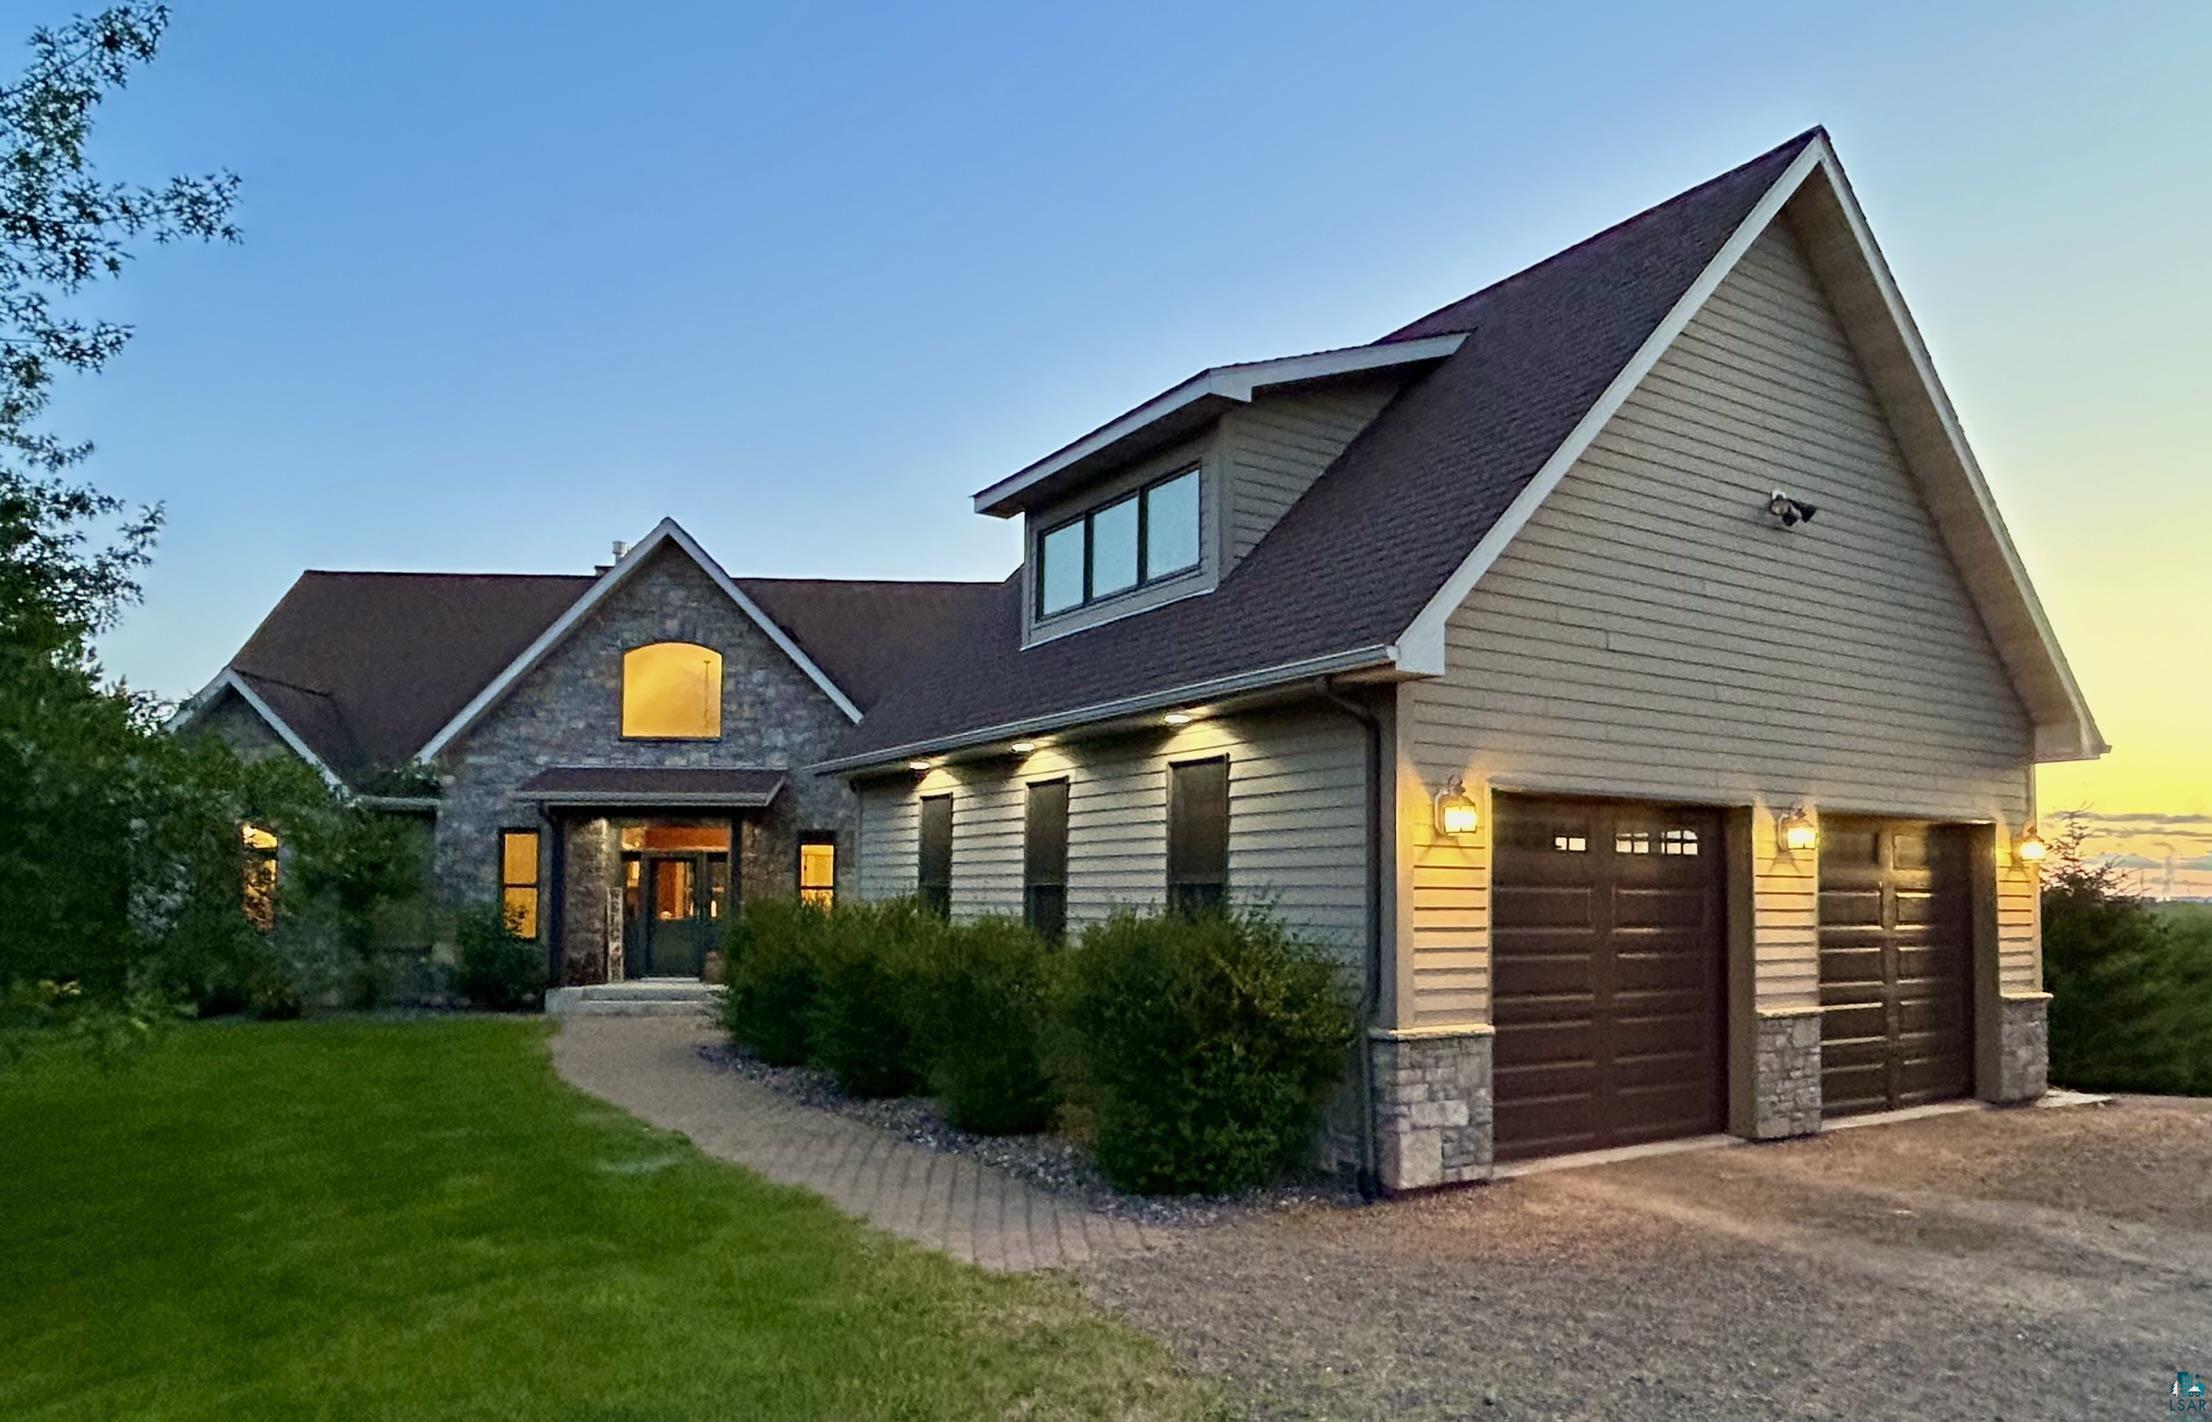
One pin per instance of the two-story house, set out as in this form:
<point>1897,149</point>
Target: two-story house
<point>1625,665</point>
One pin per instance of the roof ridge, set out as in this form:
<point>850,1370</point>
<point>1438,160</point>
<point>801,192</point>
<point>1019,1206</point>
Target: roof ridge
<point>875,582</point>
<point>1815,132</point>
<point>428,573</point>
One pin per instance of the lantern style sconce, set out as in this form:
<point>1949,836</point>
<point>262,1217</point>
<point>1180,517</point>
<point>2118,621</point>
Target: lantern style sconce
<point>1455,812</point>
<point>1796,830</point>
<point>2030,846</point>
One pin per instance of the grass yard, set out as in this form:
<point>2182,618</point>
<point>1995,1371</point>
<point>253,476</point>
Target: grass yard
<point>418,1220</point>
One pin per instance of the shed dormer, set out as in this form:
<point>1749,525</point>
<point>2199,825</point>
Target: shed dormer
<point>1162,503</point>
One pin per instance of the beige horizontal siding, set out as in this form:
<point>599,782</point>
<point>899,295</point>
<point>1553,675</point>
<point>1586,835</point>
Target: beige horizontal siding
<point>1651,633</point>
<point>1297,821</point>
<point>1273,449</point>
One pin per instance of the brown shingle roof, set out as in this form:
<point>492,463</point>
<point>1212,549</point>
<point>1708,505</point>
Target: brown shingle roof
<point>864,634</point>
<point>1354,560</point>
<point>367,667</point>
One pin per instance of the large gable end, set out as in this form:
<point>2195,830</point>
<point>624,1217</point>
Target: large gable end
<point>1813,200</point>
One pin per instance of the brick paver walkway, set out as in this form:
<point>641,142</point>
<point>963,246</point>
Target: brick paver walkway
<point>650,1067</point>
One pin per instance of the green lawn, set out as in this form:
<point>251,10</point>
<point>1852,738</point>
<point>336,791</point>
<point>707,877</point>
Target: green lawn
<point>418,1220</point>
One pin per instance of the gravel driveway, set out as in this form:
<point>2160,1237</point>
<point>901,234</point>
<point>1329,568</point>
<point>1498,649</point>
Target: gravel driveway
<point>2024,1263</point>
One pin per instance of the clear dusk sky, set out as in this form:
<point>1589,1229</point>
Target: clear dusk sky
<point>520,279</point>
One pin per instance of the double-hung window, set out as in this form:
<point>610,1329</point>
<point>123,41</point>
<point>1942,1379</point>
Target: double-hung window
<point>1045,860</point>
<point>933,880</point>
<point>1137,539</point>
<point>1198,835</point>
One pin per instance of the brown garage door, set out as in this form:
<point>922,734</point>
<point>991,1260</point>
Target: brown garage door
<point>1896,965</point>
<point>1607,975</point>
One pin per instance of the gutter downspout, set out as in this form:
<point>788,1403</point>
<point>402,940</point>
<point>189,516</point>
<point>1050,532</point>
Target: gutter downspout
<point>1370,1179</point>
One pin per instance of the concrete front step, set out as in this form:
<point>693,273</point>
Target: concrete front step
<point>675,998</point>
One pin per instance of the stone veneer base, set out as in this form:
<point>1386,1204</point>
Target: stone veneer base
<point>1785,1075</point>
<point>1432,1106</point>
<point>2023,1048</point>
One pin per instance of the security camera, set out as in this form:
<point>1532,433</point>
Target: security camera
<point>1789,510</point>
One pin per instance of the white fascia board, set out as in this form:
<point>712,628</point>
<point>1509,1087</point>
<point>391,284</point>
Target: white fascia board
<point>666,531</point>
<point>1421,646</point>
<point>1188,694</point>
<point>231,681</point>
<point>1228,382</point>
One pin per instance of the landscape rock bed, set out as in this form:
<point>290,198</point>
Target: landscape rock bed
<point>1047,1161</point>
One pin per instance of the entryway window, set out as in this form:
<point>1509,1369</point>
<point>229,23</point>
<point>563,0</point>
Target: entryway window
<point>1198,835</point>
<point>818,868</point>
<point>260,885</point>
<point>933,875</point>
<point>518,880</point>
<point>672,691</point>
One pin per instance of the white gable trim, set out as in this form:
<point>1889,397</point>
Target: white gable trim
<point>1421,647</point>
<point>666,532</point>
<point>230,680</point>
<point>1226,382</point>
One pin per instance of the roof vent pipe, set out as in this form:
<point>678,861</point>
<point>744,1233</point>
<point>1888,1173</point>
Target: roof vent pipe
<point>621,550</point>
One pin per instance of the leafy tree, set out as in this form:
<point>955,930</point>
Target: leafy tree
<point>2131,1002</point>
<point>87,785</point>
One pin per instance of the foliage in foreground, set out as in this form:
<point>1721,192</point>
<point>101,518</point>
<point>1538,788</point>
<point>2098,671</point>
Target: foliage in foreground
<point>416,1220</point>
<point>495,967</point>
<point>1207,1047</point>
<point>985,1021</point>
<point>771,977</point>
<point>2131,988</point>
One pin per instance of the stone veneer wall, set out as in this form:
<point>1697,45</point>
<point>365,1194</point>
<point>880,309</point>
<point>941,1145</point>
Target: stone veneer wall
<point>1785,1075</point>
<point>2023,1048</point>
<point>568,711</point>
<point>1432,1108</point>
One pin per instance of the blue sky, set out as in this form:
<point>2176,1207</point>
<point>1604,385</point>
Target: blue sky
<point>521,279</point>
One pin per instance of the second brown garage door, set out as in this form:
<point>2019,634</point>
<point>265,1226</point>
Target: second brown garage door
<point>1896,965</point>
<point>1608,975</point>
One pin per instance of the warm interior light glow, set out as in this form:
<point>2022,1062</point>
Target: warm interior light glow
<point>1178,718</point>
<point>672,691</point>
<point>1797,830</point>
<point>1025,747</point>
<point>1455,812</point>
<point>917,765</point>
<point>2030,847</point>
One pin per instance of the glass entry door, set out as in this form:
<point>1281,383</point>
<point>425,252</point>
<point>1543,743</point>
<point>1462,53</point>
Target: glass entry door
<point>672,905</point>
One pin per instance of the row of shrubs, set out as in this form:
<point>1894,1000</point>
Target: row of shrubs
<point>1200,1052</point>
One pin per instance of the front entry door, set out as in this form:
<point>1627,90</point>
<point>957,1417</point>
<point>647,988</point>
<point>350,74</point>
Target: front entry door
<point>675,911</point>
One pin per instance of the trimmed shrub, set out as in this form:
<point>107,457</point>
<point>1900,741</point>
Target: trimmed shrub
<point>771,975</point>
<point>496,968</point>
<point>1207,1047</point>
<point>981,1021</point>
<point>869,988</point>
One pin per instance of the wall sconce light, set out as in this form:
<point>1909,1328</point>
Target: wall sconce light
<point>917,765</point>
<point>1178,718</point>
<point>1455,812</point>
<point>1025,747</point>
<point>2030,846</point>
<point>1797,831</point>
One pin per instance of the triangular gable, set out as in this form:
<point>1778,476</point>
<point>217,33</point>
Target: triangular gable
<point>1866,299</point>
<point>666,533</point>
<point>231,682</point>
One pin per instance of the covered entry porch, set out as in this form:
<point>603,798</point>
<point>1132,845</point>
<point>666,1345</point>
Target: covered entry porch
<point>647,867</point>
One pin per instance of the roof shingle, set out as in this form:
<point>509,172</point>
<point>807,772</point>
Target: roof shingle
<point>1357,557</point>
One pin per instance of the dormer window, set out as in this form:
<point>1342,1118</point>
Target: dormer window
<point>1137,539</point>
<point>672,691</point>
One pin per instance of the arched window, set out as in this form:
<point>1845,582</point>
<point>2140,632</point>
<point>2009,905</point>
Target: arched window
<point>672,691</point>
